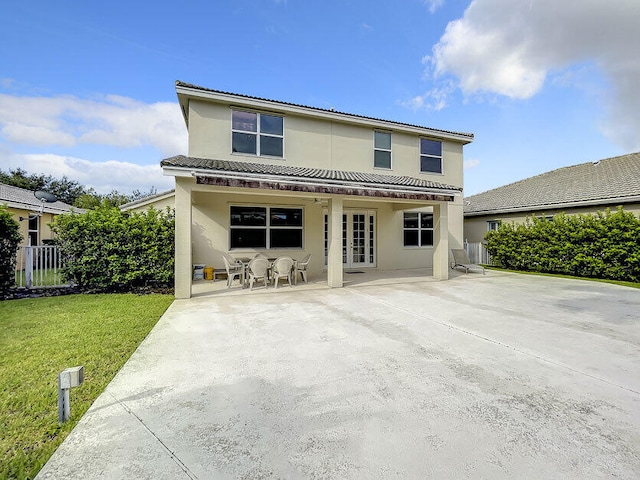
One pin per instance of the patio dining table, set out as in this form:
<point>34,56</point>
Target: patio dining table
<point>245,271</point>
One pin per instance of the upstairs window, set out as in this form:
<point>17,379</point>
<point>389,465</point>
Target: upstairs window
<point>418,229</point>
<point>257,133</point>
<point>430,156</point>
<point>382,150</point>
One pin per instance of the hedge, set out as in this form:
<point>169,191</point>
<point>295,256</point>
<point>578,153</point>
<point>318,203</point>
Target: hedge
<point>9,240</point>
<point>602,245</point>
<point>108,250</point>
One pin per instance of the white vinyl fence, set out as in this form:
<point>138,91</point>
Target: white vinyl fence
<point>477,253</point>
<point>39,267</point>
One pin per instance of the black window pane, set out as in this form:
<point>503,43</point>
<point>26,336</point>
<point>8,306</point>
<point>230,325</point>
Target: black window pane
<point>286,217</point>
<point>430,164</point>
<point>285,238</point>
<point>244,143</point>
<point>426,237</point>
<point>249,216</point>
<point>271,124</point>
<point>426,220</point>
<point>381,159</point>
<point>248,238</point>
<point>271,146</point>
<point>410,220</point>
<point>410,238</point>
<point>245,121</point>
<point>430,147</point>
<point>382,140</point>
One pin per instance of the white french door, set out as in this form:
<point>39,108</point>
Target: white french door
<point>358,238</point>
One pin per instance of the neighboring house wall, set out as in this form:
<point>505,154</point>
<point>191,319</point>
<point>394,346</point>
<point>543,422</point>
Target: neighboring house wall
<point>476,227</point>
<point>33,217</point>
<point>42,229</point>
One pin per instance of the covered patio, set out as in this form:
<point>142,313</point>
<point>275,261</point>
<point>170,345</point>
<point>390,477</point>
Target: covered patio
<point>348,221</point>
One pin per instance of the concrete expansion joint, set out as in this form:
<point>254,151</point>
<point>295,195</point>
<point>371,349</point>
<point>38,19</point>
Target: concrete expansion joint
<point>178,462</point>
<point>495,342</point>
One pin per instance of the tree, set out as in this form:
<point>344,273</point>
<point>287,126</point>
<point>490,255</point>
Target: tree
<point>64,189</point>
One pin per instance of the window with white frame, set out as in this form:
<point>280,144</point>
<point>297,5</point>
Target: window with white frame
<point>381,149</point>
<point>265,227</point>
<point>430,156</point>
<point>493,225</point>
<point>33,231</point>
<point>418,229</point>
<point>258,134</point>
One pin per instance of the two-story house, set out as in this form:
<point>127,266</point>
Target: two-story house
<point>285,179</point>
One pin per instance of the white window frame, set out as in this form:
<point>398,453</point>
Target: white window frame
<point>268,227</point>
<point>493,225</point>
<point>33,232</point>
<point>418,229</point>
<point>426,155</point>
<point>379,149</point>
<point>258,133</point>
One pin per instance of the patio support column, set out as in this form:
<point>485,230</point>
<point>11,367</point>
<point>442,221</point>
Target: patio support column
<point>334,260</point>
<point>441,241</point>
<point>183,267</point>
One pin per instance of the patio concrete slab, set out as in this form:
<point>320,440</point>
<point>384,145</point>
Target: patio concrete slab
<point>496,376</point>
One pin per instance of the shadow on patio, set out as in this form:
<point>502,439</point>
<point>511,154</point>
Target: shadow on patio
<point>352,278</point>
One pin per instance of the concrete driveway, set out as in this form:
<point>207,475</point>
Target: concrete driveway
<point>496,376</point>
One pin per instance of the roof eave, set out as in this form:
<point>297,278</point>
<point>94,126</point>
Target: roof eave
<point>555,206</point>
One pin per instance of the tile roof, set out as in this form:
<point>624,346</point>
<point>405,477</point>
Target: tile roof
<point>304,173</point>
<point>468,136</point>
<point>16,197</point>
<point>613,180</point>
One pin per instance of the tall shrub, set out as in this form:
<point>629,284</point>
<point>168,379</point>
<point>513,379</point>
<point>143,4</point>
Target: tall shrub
<point>109,250</point>
<point>9,239</point>
<point>601,245</point>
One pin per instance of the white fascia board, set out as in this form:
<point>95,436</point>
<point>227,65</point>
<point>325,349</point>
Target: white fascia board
<point>273,106</point>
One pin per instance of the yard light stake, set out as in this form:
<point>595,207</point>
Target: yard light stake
<point>67,379</point>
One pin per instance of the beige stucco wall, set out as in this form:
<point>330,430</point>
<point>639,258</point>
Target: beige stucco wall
<point>312,142</point>
<point>211,223</point>
<point>159,204</point>
<point>45,232</point>
<point>475,228</point>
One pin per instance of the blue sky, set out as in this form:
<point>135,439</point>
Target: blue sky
<point>87,88</point>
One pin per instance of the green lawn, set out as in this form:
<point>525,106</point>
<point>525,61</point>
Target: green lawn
<point>43,336</point>
<point>558,275</point>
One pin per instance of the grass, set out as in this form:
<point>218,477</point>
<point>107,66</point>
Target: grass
<point>42,278</point>
<point>559,275</point>
<point>43,336</point>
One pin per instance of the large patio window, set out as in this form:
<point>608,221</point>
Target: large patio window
<point>257,133</point>
<point>265,227</point>
<point>418,229</point>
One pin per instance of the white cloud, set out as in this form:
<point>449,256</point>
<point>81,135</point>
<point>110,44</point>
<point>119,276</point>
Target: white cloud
<point>510,47</point>
<point>111,120</point>
<point>433,4</point>
<point>471,163</point>
<point>101,176</point>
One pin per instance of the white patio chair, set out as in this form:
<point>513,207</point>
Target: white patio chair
<point>301,268</point>
<point>461,259</point>
<point>234,268</point>
<point>281,268</point>
<point>258,269</point>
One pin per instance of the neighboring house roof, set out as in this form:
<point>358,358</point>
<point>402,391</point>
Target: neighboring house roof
<point>21,198</point>
<point>147,200</point>
<point>305,179</point>
<point>182,88</point>
<point>611,181</point>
